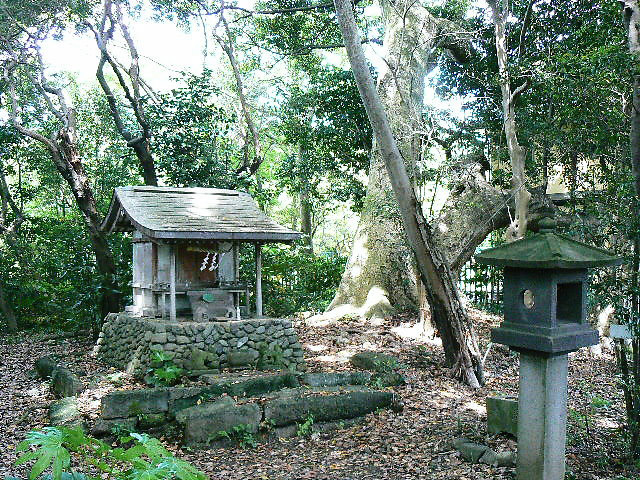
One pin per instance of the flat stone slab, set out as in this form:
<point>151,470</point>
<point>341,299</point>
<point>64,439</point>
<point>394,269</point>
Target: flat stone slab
<point>128,403</point>
<point>207,422</point>
<point>325,405</point>
<point>276,399</point>
<point>251,385</point>
<point>64,412</point>
<point>502,415</point>
<point>105,426</point>
<point>335,379</point>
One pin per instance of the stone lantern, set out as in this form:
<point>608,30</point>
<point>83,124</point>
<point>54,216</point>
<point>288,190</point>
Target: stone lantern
<point>545,318</point>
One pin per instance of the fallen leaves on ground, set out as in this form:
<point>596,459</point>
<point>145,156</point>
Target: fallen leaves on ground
<point>414,444</point>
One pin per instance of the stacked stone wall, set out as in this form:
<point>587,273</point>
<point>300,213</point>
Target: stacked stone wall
<point>127,343</point>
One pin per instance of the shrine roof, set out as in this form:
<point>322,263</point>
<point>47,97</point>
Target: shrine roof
<point>184,214</point>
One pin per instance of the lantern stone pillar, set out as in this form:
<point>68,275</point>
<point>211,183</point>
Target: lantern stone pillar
<point>545,318</point>
<point>543,400</point>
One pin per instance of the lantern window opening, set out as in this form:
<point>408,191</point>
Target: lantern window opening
<point>569,302</point>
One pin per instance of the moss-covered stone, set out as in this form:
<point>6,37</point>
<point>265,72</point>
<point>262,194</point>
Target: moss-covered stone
<point>106,426</point>
<point>127,403</point>
<point>151,420</point>
<point>296,405</point>
<point>65,383</point>
<point>502,415</point>
<point>335,379</point>
<point>387,379</point>
<point>203,423</point>
<point>45,366</point>
<point>378,362</point>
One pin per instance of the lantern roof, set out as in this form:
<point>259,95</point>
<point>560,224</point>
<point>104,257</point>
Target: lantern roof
<point>548,250</point>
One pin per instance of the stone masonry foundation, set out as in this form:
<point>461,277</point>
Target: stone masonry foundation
<point>127,343</point>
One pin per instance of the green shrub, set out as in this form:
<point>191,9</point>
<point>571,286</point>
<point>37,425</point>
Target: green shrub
<point>163,371</point>
<point>243,435</point>
<point>293,279</point>
<point>145,459</point>
<point>305,428</point>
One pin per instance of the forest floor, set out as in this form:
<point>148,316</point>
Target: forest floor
<point>414,444</point>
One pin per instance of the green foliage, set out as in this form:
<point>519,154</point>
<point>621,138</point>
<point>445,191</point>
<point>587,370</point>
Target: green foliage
<point>326,124</point>
<point>294,280</point>
<point>146,459</point>
<point>192,138</point>
<point>305,428</point>
<point>163,371</point>
<point>243,435</point>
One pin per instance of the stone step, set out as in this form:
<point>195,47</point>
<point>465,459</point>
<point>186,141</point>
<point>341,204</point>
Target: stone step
<point>170,400</point>
<point>208,422</point>
<point>324,404</point>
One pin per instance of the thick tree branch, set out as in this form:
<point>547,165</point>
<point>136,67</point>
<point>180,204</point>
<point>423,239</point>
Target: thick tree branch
<point>110,21</point>
<point>517,156</point>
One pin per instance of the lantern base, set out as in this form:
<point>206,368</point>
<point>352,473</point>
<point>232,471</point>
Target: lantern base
<point>556,340</point>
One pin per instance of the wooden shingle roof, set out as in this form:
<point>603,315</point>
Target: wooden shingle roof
<point>174,214</point>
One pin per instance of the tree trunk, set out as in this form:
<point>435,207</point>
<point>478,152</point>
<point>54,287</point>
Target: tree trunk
<point>7,312</point>
<point>379,278</point>
<point>143,152</point>
<point>454,327</point>
<point>306,210</point>
<point>306,225</point>
<point>70,167</point>
<point>516,153</point>
<point>631,375</point>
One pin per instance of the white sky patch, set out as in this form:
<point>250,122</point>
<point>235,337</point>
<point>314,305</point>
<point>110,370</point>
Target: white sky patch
<point>166,49</point>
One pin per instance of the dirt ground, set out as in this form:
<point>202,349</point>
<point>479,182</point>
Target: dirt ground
<point>414,444</point>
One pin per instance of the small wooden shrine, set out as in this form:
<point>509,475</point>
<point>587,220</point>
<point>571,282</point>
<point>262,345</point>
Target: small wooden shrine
<point>186,244</point>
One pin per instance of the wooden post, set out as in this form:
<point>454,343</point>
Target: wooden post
<point>258,280</point>
<point>236,262</point>
<point>172,284</point>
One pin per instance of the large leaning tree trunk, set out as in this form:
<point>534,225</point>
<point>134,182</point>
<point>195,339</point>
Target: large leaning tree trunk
<point>62,147</point>
<point>452,322</point>
<point>379,276</point>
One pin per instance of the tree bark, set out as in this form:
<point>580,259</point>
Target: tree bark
<point>630,384</point>
<point>306,208</point>
<point>227,46</point>
<point>456,331</point>
<point>9,230</point>
<point>72,170</point>
<point>141,145</point>
<point>64,152</point>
